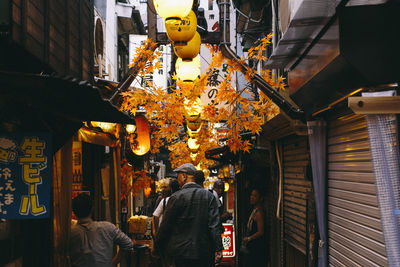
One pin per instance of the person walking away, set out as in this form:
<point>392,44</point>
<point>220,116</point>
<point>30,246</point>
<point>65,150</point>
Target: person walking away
<point>191,224</point>
<point>254,239</point>
<point>92,242</point>
<point>171,186</point>
<point>168,188</point>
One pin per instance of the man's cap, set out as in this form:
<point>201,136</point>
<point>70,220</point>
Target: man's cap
<point>188,168</point>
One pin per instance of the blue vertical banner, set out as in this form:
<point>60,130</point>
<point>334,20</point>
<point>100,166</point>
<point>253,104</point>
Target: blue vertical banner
<point>25,175</point>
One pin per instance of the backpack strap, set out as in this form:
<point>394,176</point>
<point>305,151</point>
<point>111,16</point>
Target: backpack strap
<point>163,206</point>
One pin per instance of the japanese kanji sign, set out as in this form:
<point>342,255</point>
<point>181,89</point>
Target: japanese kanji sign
<point>228,241</point>
<point>25,175</point>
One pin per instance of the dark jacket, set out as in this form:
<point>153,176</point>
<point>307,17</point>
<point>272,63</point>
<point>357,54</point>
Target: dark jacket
<point>190,225</point>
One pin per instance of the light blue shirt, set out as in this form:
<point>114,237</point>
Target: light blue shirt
<point>92,242</point>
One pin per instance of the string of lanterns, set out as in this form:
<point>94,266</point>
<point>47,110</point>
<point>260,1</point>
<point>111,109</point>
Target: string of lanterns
<point>181,28</point>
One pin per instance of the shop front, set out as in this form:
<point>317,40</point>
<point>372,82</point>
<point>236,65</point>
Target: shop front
<point>324,72</point>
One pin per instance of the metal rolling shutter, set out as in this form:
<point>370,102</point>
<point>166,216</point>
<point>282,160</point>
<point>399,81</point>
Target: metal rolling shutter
<point>354,227</point>
<point>296,191</point>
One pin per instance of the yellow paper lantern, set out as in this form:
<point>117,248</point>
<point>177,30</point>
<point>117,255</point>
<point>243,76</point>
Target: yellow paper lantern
<point>193,156</point>
<point>173,9</point>
<point>193,133</point>
<point>206,173</point>
<point>192,144</point>
<point>141,144</point>
<point>194,125</point>
<point>190,50</point>
<point>188,70</point>
<point>193,109</point>
<point>180,32</point>
<point>147,191</point>
<point>226,171</point>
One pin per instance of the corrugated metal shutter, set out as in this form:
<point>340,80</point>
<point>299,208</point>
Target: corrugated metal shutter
<point>355,234</point>
<point>296,190</point>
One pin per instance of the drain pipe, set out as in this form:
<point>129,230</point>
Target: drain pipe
<point>257,80</point>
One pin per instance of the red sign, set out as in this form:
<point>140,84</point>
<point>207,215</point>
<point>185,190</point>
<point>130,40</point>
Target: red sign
<point>228,241</point>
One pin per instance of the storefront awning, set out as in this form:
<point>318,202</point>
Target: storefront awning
<point>71,98</point>
<point>333,50</point>
<point>33,102</point>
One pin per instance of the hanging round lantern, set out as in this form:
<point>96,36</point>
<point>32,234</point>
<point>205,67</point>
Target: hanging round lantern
<point>141,144</point>
<point>193,133</point>
<point>194,125</point>
<point>188,70</point>
<point>226,171</point>
<point>173,9</point>
<point>180,32</point>
<point>193,109</point>
<point>193,156</point>
<point>192,144</point>
<point>147,191</point>
<point>190,50</point>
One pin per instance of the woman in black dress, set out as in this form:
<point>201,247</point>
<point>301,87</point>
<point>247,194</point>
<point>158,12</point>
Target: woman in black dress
<point>255,240</point>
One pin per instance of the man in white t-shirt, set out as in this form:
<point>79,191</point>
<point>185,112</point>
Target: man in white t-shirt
<point>168,188</point>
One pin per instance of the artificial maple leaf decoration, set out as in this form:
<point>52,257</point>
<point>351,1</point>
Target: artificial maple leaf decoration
<point>166,113</point>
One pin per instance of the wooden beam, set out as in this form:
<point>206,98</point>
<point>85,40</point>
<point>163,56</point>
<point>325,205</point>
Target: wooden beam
<point>375,105</point>
<point>151,21</point>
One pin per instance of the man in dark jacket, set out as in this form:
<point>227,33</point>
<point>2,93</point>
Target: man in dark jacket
<point>191,224</point>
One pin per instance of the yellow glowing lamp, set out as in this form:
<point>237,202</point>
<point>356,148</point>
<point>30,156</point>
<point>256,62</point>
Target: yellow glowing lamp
<point>173,9</point>
<point>180,32</point>
<point>226,187</point>
<point>226,171</point>
<point>141,144</point>
<point>193,109</point>
<point>147,191</point>
<point>193,133</point>
<point>190,50</point>
<point>192,144</point>
<point>194,125</point>
<point>206,173</point>
<point>193,156</point>
<point>130,128</point>
<point>188,70</point>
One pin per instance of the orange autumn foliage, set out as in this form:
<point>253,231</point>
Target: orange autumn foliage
<point>133,181</point>
<point>166,111</point>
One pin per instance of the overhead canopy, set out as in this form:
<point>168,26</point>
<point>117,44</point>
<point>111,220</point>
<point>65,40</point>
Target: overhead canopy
<point>33,102</point>
<point>332,48</point>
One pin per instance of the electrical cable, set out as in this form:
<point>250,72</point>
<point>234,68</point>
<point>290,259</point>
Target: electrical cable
<point>278,158</point>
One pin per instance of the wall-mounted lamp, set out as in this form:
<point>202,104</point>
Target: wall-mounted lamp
<point>130,128</point>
